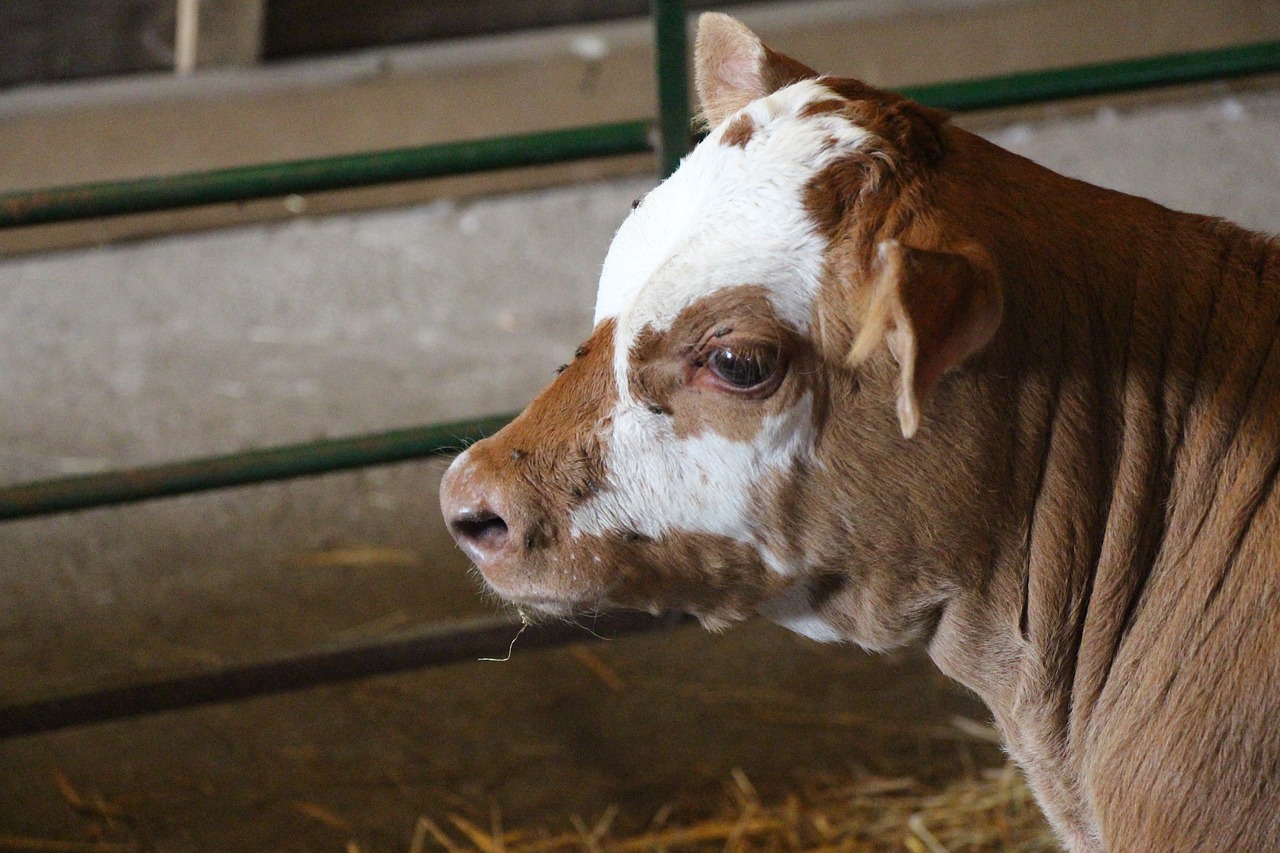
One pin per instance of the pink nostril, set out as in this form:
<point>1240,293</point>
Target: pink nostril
<point>481,515</point>
<point>481,529</point>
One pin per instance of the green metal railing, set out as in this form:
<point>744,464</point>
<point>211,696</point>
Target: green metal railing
<point>434,645</point>
<point>238,469</point>
<point>671,59</point>
<point>1105,78</point>
<point>246,183</point>
<point>62,204</point>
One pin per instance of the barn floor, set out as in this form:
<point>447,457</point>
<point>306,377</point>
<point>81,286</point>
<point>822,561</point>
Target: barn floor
<point>163,349</point>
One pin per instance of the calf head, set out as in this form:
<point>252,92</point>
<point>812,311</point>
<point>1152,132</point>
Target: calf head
<point>736,433</point>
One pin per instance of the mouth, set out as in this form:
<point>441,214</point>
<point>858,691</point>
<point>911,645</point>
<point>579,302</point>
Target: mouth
<point>544,606</point>
<point>545,586</point>
<point>535,601</point>
<point>534,608</point>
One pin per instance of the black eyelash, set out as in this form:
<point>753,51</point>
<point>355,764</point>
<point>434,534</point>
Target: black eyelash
<point>743,369</point>
<point>636,203</point>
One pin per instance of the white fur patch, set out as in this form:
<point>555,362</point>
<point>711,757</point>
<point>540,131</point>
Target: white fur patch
<point>659,484</point>
<point>730,215</point>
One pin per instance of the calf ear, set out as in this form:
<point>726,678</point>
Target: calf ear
<point>933,310</point>
<point>732,67</point>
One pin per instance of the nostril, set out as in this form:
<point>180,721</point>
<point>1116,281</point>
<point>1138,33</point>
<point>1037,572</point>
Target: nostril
<point>481,528</point>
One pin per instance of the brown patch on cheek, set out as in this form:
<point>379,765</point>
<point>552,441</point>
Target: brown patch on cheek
<point>552,453</point>
<point>784,500</point>
<point>781,499</point>
<point>713,414</point>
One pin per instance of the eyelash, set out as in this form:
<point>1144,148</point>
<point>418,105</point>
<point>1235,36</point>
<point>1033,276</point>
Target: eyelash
<point>742,369</point>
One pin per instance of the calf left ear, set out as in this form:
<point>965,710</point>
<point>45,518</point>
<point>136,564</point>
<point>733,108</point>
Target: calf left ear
<point>732,67</point>
<point>933,310</point>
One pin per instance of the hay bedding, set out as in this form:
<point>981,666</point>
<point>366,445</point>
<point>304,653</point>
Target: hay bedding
<point>992,812</point>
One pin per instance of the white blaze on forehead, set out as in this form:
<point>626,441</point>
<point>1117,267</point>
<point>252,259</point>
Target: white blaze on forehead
<point>730,215</point>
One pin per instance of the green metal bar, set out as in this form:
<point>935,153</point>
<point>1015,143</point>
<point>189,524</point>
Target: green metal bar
<point>671,51</point>
<point>437,645</point>
<point>239,469</point>
<point>242,184</point>
<point>111,198</point>
<point>1100,79</point>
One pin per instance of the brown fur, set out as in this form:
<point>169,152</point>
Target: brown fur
<point>739,132</point>
<point>533,472</point>
<point>1100,532</point>
<point>1084,530</point>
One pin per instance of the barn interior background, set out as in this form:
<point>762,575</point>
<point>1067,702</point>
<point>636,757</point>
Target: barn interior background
<point>151,337</point>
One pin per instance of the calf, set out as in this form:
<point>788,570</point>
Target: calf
<point>877,379</point>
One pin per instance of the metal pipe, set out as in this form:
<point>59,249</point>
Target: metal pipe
<point>36,207</point>
<point>436,646</point>
<point>1104,78</point>
<point>238,469</point>
<point>111,198</point>
<point>671,54</point>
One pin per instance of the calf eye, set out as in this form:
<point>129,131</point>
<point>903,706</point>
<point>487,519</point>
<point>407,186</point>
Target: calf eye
<point>743,369</point>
